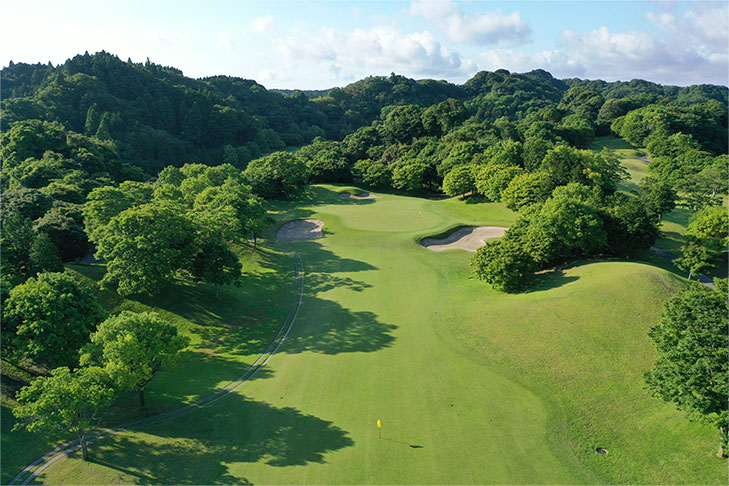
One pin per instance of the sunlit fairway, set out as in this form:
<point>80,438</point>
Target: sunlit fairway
<point>630,157</point>
<point>472,385</point>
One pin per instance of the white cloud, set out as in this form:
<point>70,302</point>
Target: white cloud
<point>346,56</point>
<point>554,61</point>
<point>490,28</point>
<point>692,48</point>
<point>261,25</point>
<point>688,49</point>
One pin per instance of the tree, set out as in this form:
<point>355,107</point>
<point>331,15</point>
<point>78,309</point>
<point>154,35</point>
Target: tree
<point>566,164</point>
<point>144,246</point>
<point>43,256</point>
<point>30,138</point>
<point>230,210</point>
<point>695,258</point>
<point>63,223</point>
<point>700,190</point>
<point>525,190</point>
<point>403,124</point>
<point>16,239</point>
<point>710,226</point>
<point>630,226</point>
<point>658,195</point>
<point>459,180</point>
<point>693,354</point>
<point>493,179</point>
<point>215,263</point>
<point>30,203</point>
<point>503,264</point>
<point>372,173</point>
<point>278,175</point>
<point>565,227</point>
<point>409,176</point>
<point>48,318</point>
<point>67,400</point>
<point>132,347</point>
<point>103,203</point>
<point>325,161</point>
<point>443,117</point>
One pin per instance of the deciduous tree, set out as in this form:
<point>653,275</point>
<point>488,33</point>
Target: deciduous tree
<point>692,370</point>
<point>48,318</point>
<point>144,246</point>
<point>132,347</point>
<point>69,401</point>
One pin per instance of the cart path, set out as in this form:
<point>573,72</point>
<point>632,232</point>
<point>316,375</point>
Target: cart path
<point>33,470</point>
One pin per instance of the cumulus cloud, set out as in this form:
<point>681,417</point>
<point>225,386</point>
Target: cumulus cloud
<point>346,56</point>
<point>687,49</point>
<point>556,62</point>
<point>490,28</point>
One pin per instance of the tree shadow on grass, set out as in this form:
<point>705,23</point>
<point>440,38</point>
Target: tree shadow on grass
<point>320,196</point>
<point>199,447</point>
<point>188,382</point>
<point>550,279</point>
<point>323,326</point>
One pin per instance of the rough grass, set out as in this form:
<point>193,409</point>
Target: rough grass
<point>473,386</point>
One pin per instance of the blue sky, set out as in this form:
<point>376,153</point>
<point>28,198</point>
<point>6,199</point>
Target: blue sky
<point>320,44</point>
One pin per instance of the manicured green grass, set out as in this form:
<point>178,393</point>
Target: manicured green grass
<point>629,157</point>
<point>473,386</point>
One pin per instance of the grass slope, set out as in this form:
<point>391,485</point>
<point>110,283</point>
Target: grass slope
<point>472,386</point>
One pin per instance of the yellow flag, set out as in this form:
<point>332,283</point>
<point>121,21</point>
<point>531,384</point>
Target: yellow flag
<point>379,424</point>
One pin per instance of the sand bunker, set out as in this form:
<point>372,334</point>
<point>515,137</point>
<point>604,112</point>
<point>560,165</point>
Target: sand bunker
<point>361,195</point>
<point>301,229</point>
<point>469,238</point>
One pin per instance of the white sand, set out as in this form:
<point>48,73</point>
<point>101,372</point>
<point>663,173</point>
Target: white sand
<point>301,229</point>
<point>469,238</point>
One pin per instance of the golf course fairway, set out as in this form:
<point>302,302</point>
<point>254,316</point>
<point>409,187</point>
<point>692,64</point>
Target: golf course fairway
<point>472,386</point>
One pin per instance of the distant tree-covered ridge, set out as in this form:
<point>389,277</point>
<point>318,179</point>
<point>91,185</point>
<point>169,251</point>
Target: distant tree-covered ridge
<point>157,117</point>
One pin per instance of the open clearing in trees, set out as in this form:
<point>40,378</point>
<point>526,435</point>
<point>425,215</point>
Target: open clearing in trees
<point>472,386</point>
<point>469,238</point>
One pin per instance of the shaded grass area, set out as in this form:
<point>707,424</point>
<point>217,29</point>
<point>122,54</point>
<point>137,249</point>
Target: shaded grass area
<point>227,335</point>
<point>193,451</point>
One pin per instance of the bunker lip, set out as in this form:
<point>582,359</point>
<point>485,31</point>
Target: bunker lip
<point>361,195</point>
<point>300,230</point>
<point>469,238</point>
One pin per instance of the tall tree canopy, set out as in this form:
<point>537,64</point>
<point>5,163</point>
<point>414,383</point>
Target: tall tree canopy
<point>692,370</point>
<point>49,318</point>
<point>132,347</point>
<point>68,401</point>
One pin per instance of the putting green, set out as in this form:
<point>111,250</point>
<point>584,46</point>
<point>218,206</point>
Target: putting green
<point>472,386</point>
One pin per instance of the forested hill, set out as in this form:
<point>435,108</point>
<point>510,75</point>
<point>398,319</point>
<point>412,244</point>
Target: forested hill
<point>154,116</point>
